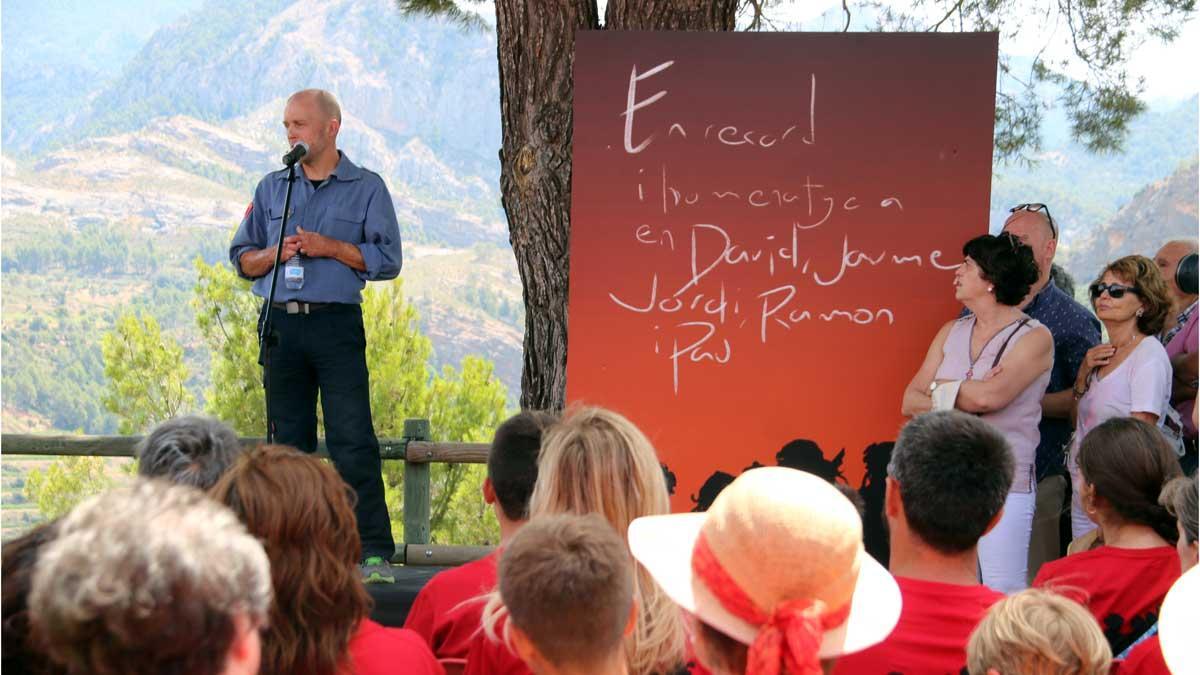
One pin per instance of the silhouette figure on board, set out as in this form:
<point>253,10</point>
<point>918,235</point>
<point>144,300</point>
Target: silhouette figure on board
<point>872,491</point>
<point>669,476</point>
<point>806,455</point>
<point>711,488</point>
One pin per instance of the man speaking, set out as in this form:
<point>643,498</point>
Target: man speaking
<point>341,233</point>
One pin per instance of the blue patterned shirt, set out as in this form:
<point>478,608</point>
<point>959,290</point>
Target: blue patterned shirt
<point>1075,330</point>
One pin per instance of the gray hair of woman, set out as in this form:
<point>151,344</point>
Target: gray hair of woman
<point>135,569</point>
<point>190,450</point>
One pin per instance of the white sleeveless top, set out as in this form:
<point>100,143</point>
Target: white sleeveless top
<point>1017,421</point>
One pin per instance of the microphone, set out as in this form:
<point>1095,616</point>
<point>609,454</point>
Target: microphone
<point>298,150</point>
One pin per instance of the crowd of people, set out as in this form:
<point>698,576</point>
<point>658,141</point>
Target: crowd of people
<point>220,559</point>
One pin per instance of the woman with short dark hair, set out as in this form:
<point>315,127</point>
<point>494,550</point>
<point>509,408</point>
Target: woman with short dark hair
<point>1128,375</point>
<point>994,362</point>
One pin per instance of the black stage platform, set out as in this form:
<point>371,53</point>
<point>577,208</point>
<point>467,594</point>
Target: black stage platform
<point>392,601</point>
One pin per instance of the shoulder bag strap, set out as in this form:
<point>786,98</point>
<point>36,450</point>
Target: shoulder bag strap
<point>1008,339</point>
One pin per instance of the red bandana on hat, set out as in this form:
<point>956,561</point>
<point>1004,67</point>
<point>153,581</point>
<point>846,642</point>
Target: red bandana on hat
<point>789,638</point>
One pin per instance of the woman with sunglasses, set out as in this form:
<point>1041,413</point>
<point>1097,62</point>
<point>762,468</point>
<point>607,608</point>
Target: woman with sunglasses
<point>994,362</point>
<point>1128,375</point>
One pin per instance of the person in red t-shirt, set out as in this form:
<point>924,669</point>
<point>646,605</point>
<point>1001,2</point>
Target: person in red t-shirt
<point>596,461</point>
<point>376,650</point>
<point>947,481</point>
<point>1124,463</point>
<point>567,583</point>
<point>298,506</point>
<point>447,610</point>
<point>1179,496</point>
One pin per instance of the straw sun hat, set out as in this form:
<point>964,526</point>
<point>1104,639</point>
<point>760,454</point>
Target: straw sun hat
<point>776,563</point>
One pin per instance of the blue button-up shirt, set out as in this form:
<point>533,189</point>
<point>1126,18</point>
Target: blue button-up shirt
<point>352,205</point>
<point>1075,330</point>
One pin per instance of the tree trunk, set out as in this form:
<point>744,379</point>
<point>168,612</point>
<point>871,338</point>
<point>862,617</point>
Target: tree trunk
<point>671,14</point>
<point>536,45</point>
<point>536,52</point>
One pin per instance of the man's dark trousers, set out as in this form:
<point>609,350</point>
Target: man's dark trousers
<point>327,349</point>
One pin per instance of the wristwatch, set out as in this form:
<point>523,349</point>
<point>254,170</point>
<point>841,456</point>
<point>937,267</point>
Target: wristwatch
<point>933,387</point>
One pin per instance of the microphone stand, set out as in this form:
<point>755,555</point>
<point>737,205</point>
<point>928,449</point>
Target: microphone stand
<point>266,338</point>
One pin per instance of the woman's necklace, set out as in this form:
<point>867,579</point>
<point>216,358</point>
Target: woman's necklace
<point>971,360</point>
<point>1133,339</point>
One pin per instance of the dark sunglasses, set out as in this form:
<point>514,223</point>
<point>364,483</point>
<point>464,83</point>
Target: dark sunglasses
<point>1115,291</point>
<point>1034,208</point>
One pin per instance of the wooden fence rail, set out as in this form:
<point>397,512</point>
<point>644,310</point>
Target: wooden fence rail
<point>415,449</point>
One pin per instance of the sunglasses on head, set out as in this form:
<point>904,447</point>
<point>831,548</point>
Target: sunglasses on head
<point>1115,291</point>
<point>1034,208</point>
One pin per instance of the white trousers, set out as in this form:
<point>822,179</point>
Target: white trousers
<point>1004,552</point>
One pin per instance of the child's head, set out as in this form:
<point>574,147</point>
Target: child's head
<point>512,466</point>
<point>567,582</point>
<point>1038,632</point>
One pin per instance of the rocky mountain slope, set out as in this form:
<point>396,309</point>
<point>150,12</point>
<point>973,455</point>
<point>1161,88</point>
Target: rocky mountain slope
<point>1159,212</point>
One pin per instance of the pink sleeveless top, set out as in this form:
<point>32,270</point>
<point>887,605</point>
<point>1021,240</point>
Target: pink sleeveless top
<point>1018,421</point>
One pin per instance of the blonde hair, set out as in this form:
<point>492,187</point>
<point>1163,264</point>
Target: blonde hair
<point>1038,632</point>
<point>596,461</point>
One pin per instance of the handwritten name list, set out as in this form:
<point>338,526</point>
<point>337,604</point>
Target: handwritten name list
<point>769,218</point>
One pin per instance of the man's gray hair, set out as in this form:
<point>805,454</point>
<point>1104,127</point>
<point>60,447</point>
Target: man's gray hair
<point>189,450</point>
<point>148,579</point>
<point>324,100</point>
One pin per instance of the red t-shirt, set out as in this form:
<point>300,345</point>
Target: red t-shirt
<point>1145,659</point>
<point>486,657</point>
<point>1124,587</point>
<point>936,620</point>
<point>448,609</point>
<point>375,650</point>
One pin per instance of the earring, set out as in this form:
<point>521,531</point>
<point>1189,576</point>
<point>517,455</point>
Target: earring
<point>1140,312</point>
<point>989,288</point>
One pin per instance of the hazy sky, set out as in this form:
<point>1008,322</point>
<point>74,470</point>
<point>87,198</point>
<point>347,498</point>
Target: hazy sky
<point>1164,67</point>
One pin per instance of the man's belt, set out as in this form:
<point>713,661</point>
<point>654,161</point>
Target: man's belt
<point>295,307</point>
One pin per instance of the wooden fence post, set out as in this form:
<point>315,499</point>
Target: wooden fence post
<point>416,487</point>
